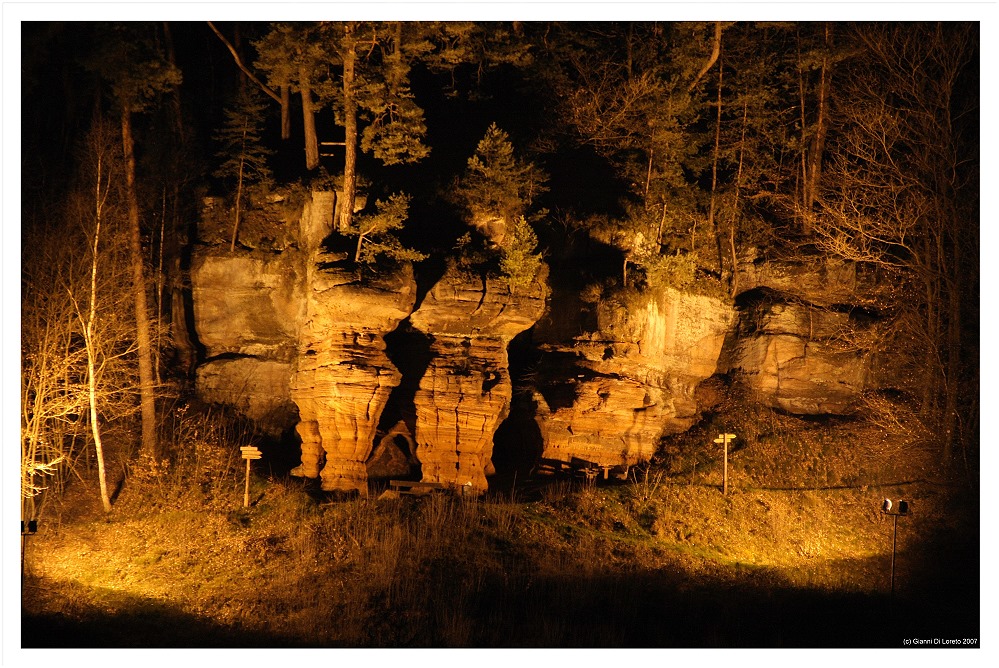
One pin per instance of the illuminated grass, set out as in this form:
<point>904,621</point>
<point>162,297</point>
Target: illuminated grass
<point>615,564</point>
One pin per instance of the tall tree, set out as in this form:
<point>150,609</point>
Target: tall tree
<point>292,57</point>
<point>244,157</point>
<point>128,60</point>
<point>373,89</point>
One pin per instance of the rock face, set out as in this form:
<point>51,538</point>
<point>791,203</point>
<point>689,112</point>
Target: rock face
<point>800,340</point>
<point>341,376</point>
<point>609,396</point>
<point>465,392</point>
<point>294,336</point>
<point>288,342</point>
<point>247,310</point>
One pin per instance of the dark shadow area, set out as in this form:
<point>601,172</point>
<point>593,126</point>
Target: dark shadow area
<point>132,622</point>
<point>409,351</point>
<point>457,602</point>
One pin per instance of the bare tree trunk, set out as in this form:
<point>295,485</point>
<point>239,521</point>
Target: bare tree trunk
<point>733,221</point>
<point>350,131</point>
<point>146,388</point>
<point>803,177</point>
<point>242,67</point>
<point>714,176</point>
<point>172,58</point>
<point>715,51</point>
<point>91,351</point>
<point>309,119</point>
<point>285,112</point>
<point>159,295</point>
<point>819,139</point>
<point>239,188</point>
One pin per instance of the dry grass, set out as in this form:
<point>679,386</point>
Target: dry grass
<point>662,560</point>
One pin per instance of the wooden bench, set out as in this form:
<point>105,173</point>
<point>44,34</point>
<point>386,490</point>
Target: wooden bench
<point>415,488</point>
<point>579,467</point>
<point>550,466</point>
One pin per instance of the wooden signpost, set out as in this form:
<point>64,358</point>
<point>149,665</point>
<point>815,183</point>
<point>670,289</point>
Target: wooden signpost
<point>249,452</point>
<point>724,439</point>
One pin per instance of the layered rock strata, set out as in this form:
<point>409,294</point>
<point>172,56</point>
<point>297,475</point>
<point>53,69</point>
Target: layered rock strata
<point>613,393</point>
<point>803,334</point>
<point>290,341</point>
<point>466,390</point>
<point>341,376</point>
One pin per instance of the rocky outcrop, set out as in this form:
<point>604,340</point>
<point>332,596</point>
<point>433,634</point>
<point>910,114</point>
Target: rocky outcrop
<point>802,335</point>
<point>799,358</point>
<point>293,335</point>
<point>290,340</point>
<point>613,393</point>
<point>821,280</point>
<point>341,376</point>
<point>465,392</point>
<point>247,310</point>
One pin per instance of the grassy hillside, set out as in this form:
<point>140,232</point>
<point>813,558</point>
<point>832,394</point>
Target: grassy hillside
<point>797,554</point>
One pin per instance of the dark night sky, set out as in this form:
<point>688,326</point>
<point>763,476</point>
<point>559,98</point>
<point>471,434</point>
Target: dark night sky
<point>207,64</point>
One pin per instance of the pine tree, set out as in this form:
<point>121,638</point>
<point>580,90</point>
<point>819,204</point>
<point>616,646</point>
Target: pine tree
<point>519,259</point>
<point>242,150</point>
<point>497,188</point>
<point>374,232</point>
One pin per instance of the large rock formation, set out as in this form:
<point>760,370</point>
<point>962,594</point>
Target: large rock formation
<point>465,392</point>
<point>292,335</point>
<point>800,343</point>
<point>290,340</point>
<point>613,393</point>
<point>342,378</point>
<point>248,307</point>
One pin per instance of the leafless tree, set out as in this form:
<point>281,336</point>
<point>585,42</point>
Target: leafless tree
<point>902,186</point>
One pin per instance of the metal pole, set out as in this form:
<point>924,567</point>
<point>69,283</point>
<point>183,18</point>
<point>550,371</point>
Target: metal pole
<point>894,533</point>
<point>246,492</point>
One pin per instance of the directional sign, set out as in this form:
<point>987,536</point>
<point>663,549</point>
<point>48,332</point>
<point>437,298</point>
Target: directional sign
<point>723,439</point>
<point>250,452</point>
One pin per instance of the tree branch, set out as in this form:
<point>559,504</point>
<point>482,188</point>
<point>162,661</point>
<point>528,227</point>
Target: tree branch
<point>246,70</point>
<point>715,50</point>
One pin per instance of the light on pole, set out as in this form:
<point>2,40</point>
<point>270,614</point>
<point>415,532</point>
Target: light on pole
<point>896,510</point>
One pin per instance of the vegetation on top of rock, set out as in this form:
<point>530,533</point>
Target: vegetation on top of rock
<point>374,232</point>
